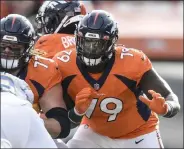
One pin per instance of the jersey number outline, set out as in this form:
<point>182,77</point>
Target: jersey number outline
<point>37,62</point>
<point>66,57</point>
<point>125,52</point>
<point>113,113</point>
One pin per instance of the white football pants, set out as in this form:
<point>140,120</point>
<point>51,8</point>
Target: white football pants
<point>21,126</point>
<point>85,137</point>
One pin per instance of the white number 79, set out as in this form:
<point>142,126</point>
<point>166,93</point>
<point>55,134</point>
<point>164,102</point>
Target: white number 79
<point>103,107</point>
<point>125,53</point>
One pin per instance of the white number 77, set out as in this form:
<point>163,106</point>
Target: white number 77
<point>36,62</point>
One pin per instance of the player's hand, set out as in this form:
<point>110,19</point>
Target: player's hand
<point>157,104</point>
<point>83,100</point>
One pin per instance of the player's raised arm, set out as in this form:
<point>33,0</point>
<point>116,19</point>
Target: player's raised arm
<point>157,89</point>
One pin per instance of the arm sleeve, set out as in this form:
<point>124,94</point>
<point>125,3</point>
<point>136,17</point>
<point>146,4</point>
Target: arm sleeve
<point>151,80</point>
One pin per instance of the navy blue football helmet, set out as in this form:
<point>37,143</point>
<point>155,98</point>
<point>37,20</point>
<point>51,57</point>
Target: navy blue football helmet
<point>16,40</point>
<point>96,36</point>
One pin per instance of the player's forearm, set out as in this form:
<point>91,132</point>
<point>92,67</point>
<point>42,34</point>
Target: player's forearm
<point>59,124</point>
<point>152,80</point>
<point>173,105</point>
<point>53,127</point>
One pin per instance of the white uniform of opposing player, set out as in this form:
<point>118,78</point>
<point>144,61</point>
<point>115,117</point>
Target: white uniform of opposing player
<point>21,126</point>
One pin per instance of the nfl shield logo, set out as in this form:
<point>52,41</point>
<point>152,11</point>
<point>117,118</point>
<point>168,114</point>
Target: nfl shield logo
<point>96,86</point>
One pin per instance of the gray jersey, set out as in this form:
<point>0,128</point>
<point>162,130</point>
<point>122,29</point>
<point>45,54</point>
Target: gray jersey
<point>16,86</point>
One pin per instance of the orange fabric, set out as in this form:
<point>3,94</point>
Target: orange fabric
<point>4,9</point>
<point>83,9</point>
<point>54,43</point>
<point>83,100</point>
<point>44,72</point>
<point>114,94</point>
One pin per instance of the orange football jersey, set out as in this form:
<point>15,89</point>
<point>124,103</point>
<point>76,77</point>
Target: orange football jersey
<point>51,44</point>
<point>41,74</point>
<point>116,112</point>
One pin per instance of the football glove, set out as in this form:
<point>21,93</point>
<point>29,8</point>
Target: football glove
<point>83,101</point>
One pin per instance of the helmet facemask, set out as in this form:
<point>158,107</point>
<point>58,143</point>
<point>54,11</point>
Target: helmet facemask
<point>95,53</point>
<point>14,55</point>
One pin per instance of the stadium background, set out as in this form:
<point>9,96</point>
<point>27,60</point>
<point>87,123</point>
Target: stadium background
<point>155,27</point>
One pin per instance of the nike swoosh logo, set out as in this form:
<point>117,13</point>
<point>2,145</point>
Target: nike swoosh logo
<point>136,142</point>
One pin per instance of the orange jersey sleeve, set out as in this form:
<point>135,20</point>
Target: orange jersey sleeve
<point>142,60</point>
<point>42,74</point>
<point>135,62</point>
<point>51,44</point>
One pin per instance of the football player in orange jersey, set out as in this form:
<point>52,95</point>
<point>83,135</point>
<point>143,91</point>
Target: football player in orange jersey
<point>42,74</point>
<point>114,88</point>
<point>58,20</point>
